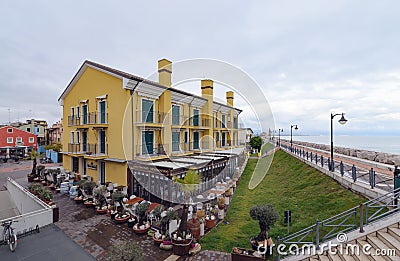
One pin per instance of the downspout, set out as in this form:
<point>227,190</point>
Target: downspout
<point>133,127</point>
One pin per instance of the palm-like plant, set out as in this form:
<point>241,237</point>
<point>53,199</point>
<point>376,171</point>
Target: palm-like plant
<point>187,184</point>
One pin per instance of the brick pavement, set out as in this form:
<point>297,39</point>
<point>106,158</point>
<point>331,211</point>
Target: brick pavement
<point>95,233</point>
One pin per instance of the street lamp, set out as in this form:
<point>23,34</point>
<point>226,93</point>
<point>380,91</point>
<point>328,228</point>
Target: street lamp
<point>341,121</point>
<point>291,135</point>
<point>279,133</point>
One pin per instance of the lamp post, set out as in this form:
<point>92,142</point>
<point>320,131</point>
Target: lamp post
<point>291,135</point>
<point>341,121</point>
<point>279,133</point>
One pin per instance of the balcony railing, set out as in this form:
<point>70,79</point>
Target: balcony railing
<point>74,147</point>
<point>73,120</point>
<point>151,150</point>
<point>90,118</point>
<point>144,117</point>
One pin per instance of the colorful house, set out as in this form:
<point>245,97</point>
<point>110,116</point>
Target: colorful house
<point>111,118</point>
<point>16,141</point>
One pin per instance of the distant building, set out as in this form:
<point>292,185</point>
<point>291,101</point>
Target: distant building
<point>37,127</point>
<point>16,141</point>
<point>54,134</point>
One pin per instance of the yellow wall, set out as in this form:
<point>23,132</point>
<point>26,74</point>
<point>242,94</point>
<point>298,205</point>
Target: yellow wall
<point>116,173</point>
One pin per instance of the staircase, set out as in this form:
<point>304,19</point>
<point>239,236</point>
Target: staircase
<point>380,241</point>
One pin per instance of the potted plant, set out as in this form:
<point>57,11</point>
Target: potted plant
<point>132,221</point>
<point>46,196</point>
<point>266,216</point>
<point>122,217</point>
<point>211,220</point>
<point>35,188</point>
<point>181,242</point>
<point>142,226</point>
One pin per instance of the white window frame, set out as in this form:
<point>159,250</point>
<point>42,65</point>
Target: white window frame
<point>10,140</point>
<point>31,140</point>
<point>8,130</point>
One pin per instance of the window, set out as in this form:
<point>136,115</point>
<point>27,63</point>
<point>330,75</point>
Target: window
<point>72,111</point>
<point>9,130</point>
<point>147,111</point>
<point>102,112</point>
<point>186,137</point>
<point>175,115</point>
<point>196,139</point>
<point>84,141</point>
<point>102,141</point>
<point>28,129</point>
<point>19,140</point>
<point>217,136</point>
<point>84,114</point>
<point>195,117</point>
<point>175,140</point>
<point>31,139</point>
<point>77,137</point>
<point>72,137</point>
<point>223,139</point>
<point>78,112</point>
<point>235,122</point>
<point>223,121</point>
<point>147,142</point>
<point>10,140</point>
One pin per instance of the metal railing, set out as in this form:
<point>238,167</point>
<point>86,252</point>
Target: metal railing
<point>88,119</point>
<point>144,117</point>
<point>150,150</point>
<point>356,173</point>
<point>351,220</point>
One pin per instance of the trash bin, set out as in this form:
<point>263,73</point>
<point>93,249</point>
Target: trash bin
<point>56,214</point>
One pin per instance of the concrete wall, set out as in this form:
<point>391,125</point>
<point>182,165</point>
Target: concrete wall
<point>33,211</point>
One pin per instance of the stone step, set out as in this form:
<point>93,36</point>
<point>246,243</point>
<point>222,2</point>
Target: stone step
<point>334,257</point>
<point>376,243</point>
<point>389,240</point>
<point>323,258</point>
<point>394,232</point>
<point>362,256</point>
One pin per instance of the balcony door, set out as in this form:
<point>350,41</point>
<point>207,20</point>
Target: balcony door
<point>196,139</point>
<point>102,141</point>
<point>102,112</point>
<point>84,114</point>
<point>175,115</point>
<point>147,111</point>
<point>147,142</point>
<point>84,141</point>
<point>223,139</point>
<point>196,117</point>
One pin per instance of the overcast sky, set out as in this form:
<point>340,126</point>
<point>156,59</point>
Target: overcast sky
<point>310,58</point>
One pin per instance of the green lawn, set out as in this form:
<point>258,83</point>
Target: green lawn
<point>289,184</point>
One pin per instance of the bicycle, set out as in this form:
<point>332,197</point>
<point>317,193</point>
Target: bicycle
<point>9,237</point>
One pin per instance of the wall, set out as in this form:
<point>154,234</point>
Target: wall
<point>33,211</point>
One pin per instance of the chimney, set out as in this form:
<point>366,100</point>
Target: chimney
<point>229,98</point>
<point>207,89</point>
<point>164,72</point>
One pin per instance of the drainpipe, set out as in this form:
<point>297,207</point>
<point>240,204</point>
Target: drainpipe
<point>133,128</point>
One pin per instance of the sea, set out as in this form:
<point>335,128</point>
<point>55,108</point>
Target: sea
<point>387,144</point>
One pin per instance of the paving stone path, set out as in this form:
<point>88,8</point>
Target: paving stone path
<point>95,233</point>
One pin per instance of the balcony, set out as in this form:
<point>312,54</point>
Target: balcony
<point>74,148</point>
<point>73,120</point>
<point>150,117</point>
<point>151,150</point>
<point>92,118</point>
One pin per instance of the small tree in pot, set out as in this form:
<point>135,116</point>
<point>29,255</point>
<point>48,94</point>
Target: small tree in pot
<point>266,216</point>
<point>141,211</point>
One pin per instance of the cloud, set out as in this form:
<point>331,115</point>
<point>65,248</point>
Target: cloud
<point>310,58</point>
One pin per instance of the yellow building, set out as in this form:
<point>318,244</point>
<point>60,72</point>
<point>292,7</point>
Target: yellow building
<point>111,117</point>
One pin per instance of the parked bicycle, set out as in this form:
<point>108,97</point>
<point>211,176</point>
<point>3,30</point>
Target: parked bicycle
<point>9,237</point>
